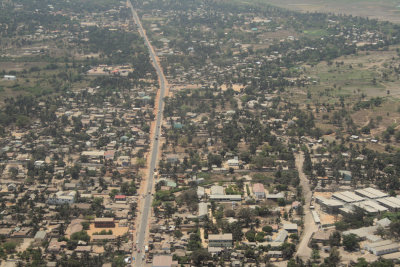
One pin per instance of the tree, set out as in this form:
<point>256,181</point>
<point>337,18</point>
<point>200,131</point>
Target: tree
<point>333,259</point>
<point>260,237</point>
<point>350,242</point>
<point>82,235</point>
<point>268,229</point>
<point>334,239</point>
<point>315,255</point>
<point>246,215</point>
<point>395,228</point>
<point>251,235</point>
<point>294,238</point>
<point>199,256</point>
<point>10,246</point>
<point>287,250</point>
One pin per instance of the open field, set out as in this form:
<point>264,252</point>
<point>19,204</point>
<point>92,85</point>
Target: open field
<point>354,78</point>
<point>377,9</point>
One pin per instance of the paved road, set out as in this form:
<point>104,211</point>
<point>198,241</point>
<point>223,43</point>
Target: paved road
<point>146,207</point>
<point>303,251</point>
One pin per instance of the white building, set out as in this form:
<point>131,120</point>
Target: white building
<point>222,240</point>
<point>233,162</point>
<point>61,198</point>
<point>10,77</point>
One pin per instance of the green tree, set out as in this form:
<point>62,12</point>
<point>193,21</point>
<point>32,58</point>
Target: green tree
<point>334,239</point>
<point>333,259</point>
<point>251,235</point>
<point>350,242</point>
<point>199,256</point>
<point>82,235</point>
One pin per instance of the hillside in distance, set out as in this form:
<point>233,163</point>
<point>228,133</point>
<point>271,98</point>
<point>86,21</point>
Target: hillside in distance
<point>376,9</point>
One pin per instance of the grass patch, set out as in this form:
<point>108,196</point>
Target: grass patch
<point>315,32</point>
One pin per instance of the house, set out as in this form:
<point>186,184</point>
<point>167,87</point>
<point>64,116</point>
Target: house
<point>104,223</point>
<point>220,240</point>
<point>259,191</point>
<point>233,162</point>
<point>120,198</point>
<point>22,233</point>
<point>346,175</point>
<point>56,246</point>
<point>322,236</point>
<point>275,254</point>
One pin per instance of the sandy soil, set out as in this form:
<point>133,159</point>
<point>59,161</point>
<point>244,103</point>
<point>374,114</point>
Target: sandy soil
<point>117,231</point>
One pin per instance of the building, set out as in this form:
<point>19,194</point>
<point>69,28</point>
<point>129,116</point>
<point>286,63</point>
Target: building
<point>61,198</point>
<point>290,227</point>
<point>392,203</point>
<point>203,210</point>
<point>275,254</point>
<point>347,197</point>
<point>102,238</point>
<point>362,232</point>
<point>371,193</point>
<point>329,205</point>
<point>224,198</point>
<point>275,196</point>
<point>233,162</point>
<point>370,207</point>
<point>385,222</point>
<point>40,236</point>
<point>217,190</point>
<point>259,191</point>
<point>172,158</point>
<point>220,240</point>
<point>120,198</point>
<point>200,192</point>
<point>10,77</point>
<point>316,218</point>
<point>322,236</point>
<point>92,155</point>
<point>373,245</point>
<point>282,236</point>
<point>104,223</point>
<point>387,249</point>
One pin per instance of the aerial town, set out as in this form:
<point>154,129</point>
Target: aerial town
<point>197,133</point>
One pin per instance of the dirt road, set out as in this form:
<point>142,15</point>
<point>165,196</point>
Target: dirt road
<point>310,227</point>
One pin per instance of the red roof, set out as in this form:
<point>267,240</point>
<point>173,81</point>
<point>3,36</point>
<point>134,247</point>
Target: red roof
<point>259,188</point>
<point>120,197</point>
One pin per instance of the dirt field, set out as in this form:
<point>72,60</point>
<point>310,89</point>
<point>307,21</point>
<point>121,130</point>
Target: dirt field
<point>117,231</point>
<point>376,9</point>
